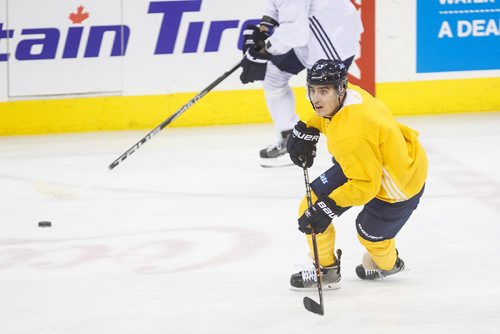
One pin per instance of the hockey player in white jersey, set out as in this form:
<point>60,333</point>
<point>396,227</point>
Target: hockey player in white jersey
<point>293,35</point>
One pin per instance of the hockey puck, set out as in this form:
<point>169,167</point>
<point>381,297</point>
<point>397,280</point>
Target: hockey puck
<point>44,224</point>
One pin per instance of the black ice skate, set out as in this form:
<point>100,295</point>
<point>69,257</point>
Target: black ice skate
<point>305,280</point>
<point>276,155</point>
<point>370,271</point>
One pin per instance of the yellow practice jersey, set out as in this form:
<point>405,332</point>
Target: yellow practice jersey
<point>380,157</point>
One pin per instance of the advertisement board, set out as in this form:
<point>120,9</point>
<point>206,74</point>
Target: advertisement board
<point>69,49</point>
<point>124,47</point>
<point>73,65</point>
<point>458,35</point>
<point>3,50</point>
<point>127,47</point>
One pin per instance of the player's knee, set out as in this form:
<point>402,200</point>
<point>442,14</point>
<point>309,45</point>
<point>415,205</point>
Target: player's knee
<point>275,91</point>
<point>276,82</point>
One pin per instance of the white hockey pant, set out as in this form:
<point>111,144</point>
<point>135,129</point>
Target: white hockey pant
<point>279,98</point>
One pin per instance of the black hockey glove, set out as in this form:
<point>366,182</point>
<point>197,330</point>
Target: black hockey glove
<point>319,216</point>
<point>302,144</point>
<point>269,23</point>
<point>254,66</point>
<point>254,38</point>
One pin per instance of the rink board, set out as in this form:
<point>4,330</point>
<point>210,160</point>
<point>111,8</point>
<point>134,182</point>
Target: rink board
<point>228,107</point>
<point>129,64</point>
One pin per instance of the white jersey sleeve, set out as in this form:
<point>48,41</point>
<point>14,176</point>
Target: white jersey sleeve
<point>315,29</point>
<point>293,29</point>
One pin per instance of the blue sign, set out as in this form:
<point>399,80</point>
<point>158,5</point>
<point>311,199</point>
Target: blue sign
<point>458,35</point>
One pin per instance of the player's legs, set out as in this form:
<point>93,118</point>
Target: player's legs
<point>279,98</point>
<point>383,253</point>
<point>281,105</point>
<point>378,224</point>
<point>329,263</point>
<point>325,241</point>
<point>323,185</point>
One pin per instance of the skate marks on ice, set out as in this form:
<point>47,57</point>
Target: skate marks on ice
<point>467,181</point>
<point>148,252</point>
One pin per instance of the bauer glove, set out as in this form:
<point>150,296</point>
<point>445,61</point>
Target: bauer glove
<point>254,66</point>
<point>302,144</point>
<point>319,216</point>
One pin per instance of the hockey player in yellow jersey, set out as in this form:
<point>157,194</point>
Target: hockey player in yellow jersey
<point>380,165</point>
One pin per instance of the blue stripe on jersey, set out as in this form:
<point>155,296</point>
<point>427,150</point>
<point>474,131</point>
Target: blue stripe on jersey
<point>325,41</point>
<point>320,43</point>
<point>326,36</point>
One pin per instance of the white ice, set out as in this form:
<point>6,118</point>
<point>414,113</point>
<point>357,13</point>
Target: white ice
<point>191,235</point>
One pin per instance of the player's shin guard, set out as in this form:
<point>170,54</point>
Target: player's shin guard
<point>325,242</point>
<point>369,270</point>
<point>330,265</point>
<point>380,261</point>
<point>382,252</point>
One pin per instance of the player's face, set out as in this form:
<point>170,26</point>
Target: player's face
<point>325,99</point>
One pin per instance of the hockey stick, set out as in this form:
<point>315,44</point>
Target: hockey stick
<point>310,304</point>
<point>58,191</point>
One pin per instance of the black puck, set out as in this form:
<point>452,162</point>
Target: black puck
<point>44,224</point>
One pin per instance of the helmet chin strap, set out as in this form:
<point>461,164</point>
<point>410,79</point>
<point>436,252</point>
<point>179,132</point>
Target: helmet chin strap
<point>341,104</point>
<point>309,97</point>
<point>341,92</point>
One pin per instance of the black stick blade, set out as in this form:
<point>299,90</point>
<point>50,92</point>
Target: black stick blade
<point>313,307</point>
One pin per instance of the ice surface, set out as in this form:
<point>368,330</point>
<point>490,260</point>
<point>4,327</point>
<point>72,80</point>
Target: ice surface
<point>191,235</point>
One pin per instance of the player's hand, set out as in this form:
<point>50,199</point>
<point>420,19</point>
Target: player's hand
<point>319,216</point>
<point>254,37</point>
<point>254,66</point>
<point>302,144</point>
<point>268,24</point>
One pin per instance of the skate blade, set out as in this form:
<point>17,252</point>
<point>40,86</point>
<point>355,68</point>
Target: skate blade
<point>331,286</point>
<point>382,278</point>
<point>281,161</point>
<point>263,165</point>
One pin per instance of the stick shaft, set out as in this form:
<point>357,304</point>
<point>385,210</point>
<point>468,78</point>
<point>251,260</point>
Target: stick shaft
<point>313,236</point>
<point>172,117</point>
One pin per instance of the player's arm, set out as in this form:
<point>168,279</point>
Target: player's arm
<point>361,169</point>
<point>293,28</point>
